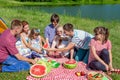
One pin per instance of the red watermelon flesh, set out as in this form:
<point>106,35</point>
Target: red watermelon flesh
<point>70,62</point>
<point>45,45</point>
<point>38,70</point>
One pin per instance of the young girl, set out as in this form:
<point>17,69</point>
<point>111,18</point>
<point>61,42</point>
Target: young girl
<point>36,40</point>
<point>100,57</point>
<point>60,41</point>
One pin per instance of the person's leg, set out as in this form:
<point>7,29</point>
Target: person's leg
<point>95,65</point>
<point>104,55</point>
<point>79,55</point>
<point>85,59</point>
<point>37,55</point>
<point>11,64</point>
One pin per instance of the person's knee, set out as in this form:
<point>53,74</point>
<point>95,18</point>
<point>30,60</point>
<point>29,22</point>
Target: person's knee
<point>105,52</point>
<point>24,65</point>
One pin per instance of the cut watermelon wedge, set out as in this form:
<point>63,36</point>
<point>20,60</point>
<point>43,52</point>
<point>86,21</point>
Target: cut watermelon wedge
<point>38,70</point>
<point>70,62</point>
<point>45,45</point>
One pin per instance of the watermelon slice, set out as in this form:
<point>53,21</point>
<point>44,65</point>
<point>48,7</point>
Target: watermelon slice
<point>38,70</point>
<point>70,64</point>
<point>46,45</point>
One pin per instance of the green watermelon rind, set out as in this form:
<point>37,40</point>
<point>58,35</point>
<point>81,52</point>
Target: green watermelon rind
<point>48,65</point>
<point>36,75</point>
<point>70,66</point>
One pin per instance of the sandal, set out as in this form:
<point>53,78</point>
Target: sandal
<point>117,71</point>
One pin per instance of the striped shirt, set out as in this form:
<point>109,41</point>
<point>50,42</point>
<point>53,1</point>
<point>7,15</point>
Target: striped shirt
<point>81,39</point>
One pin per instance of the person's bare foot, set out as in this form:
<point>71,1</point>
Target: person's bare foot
<point>109,73</point>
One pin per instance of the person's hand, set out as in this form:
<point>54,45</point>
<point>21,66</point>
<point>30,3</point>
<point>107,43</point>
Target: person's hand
<point>40,51</point>
<point>33,61</point>
<point>110,67</point>
<point>37,59</point>
<point>107,67</point>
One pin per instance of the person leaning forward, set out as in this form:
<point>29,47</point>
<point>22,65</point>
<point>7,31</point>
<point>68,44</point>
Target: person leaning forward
<point>79,40</point>
<point>10,59</point>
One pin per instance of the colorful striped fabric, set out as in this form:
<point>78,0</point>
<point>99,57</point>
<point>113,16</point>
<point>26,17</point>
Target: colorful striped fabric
<point>81,39</point>
<point>2,25</point>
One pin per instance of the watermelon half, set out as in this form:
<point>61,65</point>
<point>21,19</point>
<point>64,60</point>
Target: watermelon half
<point>38,70</point>
<point>70,64</point>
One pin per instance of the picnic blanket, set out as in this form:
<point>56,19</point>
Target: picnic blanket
<point>62,73</point>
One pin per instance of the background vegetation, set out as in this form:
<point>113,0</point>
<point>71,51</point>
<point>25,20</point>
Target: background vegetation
<point>41,20</point>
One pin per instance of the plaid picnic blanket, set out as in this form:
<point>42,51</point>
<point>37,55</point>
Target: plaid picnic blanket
<point>62,73</point>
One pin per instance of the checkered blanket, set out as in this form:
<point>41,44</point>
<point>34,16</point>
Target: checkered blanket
<point>62,73</point>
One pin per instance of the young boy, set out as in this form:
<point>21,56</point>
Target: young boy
<point>50,30</point>
<point>11,60</point>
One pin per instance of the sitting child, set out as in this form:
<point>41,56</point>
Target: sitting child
<point>36,41</point>
<point>100,57</point>
<point>60,41</point>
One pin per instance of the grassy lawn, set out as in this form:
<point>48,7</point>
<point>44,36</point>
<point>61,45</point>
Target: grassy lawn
<point>40,20</point>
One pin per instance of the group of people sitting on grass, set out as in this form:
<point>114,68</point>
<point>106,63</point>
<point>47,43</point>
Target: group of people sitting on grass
<point>20,46</point>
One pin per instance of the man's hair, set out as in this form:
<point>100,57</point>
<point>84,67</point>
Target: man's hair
<point>16,23</point>
<point>54,18</point>
<point>68,27</point>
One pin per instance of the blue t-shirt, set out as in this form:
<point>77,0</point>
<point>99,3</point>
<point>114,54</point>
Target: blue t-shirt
<point>50,32</point>
<point>81,39</point>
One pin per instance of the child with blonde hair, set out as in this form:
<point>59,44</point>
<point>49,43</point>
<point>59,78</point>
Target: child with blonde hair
<point>60,41</point>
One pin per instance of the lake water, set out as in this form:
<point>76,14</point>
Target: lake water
<point>97,12</point>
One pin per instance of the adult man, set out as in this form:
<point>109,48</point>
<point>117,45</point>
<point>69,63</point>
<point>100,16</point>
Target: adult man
<point>11,60</point>
<point>79,40</point>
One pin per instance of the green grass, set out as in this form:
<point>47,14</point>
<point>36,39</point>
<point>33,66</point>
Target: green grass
<point>41,19</point>
<point>57,3</point>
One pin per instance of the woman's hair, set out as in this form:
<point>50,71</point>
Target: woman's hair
<point>68,27</point>
<point>102,30</point>
<point>34,31</point>
<point>54,18</point>
<point>24,23</point>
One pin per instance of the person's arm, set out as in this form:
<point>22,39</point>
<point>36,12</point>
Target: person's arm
<point>27,44</point>
<point>43,40</point>
<point>46,31</point>
<point>54,43</point>
<point>20,57</point>
<point>110,57</point>
<point>71,53</point>
<point>92,49</point>
<point>69,46</point>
